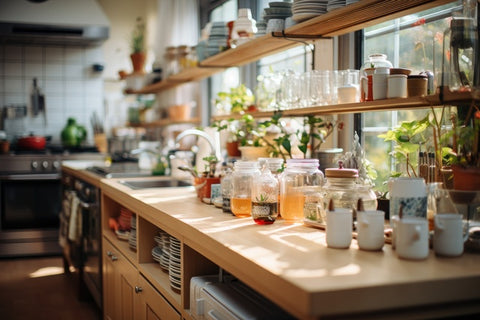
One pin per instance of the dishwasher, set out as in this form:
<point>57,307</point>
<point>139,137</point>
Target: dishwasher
<point>219,297</point>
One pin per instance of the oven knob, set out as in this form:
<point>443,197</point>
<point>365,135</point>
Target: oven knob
<point>45,164</point>
<point>56,164</point>
<point>34,164</point>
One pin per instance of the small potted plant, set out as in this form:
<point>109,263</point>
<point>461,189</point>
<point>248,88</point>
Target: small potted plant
<point>239,99</point>
<point>138,53</point>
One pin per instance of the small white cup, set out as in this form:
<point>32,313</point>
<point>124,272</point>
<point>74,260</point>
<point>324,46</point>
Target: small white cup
<point>347,94</point>
<point>339,228</point>
<point>449,236</point>
<point>412,238</point>
<point>370,229</point>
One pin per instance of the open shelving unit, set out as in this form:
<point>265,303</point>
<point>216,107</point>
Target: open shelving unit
<point>421,102</point>
<point>337,22</point>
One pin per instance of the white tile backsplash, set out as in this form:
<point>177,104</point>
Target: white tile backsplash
<point>64,76</point>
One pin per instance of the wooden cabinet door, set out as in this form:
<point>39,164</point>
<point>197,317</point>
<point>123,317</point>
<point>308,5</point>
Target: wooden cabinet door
<point>127,290</point>
<point>153,305</point>
<point>109,281</point>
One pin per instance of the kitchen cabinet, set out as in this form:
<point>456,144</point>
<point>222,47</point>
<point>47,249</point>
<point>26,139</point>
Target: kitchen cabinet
<point>127,294</point>
<point>288,264</point>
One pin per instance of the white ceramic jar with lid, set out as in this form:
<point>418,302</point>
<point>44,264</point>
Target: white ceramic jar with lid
<point>244,28</point>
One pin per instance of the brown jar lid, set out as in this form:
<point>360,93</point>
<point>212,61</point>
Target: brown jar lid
<point>341,172</point>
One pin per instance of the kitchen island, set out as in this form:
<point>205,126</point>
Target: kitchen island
<point>289,264</point>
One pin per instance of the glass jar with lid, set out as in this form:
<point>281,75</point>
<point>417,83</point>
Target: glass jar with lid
<point>241,198</point>
<point>265,192</point>
<point>341,187</point>
<point>298,182</point>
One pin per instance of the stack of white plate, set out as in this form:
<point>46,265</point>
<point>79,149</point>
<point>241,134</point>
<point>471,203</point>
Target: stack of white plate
<point>132,238</point>
<point>165,261</point>
<point>157,253</point>
<point>217,40</point>
<point>174,270</point>
<point>307,9</point>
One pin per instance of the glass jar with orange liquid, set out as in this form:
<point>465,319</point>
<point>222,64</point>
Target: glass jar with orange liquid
<point>296,181</point>
<point>241,197</point>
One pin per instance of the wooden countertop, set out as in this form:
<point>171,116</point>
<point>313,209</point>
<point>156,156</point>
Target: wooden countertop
<point>291,264</point>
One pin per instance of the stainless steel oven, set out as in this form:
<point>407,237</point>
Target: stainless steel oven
<point>30,193</point>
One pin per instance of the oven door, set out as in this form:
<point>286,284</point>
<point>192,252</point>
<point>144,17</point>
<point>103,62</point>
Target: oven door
<point>92,270</point>
<point>29,214</point>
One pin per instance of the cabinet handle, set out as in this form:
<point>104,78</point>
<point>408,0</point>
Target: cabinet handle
<point>114,258</point>
<point>109,253</point>
<point>138,289</point>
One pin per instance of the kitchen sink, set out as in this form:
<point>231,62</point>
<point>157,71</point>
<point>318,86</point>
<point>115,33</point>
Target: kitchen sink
<point>145,184</point>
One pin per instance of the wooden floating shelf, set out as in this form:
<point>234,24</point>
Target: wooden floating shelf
<point>377,105</point>
<point>350,18</point>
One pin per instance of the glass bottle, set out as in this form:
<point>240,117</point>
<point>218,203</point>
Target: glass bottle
<point>241,199</point>
<point>265,197</point>
<point>226,189</point>
<point>300,178</point>
<point>276,168</point>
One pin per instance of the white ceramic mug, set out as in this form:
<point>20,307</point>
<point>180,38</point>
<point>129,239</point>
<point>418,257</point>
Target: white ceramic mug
<point>339,228</point>
<point>411,194</point>
<point>412,238</point>
<point>370,229</point>
<point>449,236</point>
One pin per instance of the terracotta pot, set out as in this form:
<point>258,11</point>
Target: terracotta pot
<point>138,62</point>
<point>466,178</point>
<point>204,186</point>
<point>232,149</point>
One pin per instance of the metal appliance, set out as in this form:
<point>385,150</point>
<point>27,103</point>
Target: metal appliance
<point>83,250</point>
<point>30,200</point>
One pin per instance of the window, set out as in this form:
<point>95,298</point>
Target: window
<point>414,42</point>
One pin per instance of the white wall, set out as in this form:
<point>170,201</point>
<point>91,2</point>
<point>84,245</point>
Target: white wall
<point>65,75</point>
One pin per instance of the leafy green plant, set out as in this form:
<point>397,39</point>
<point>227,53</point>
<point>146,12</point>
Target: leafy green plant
<point>210,167</point>
<point>407,137</point>
<point>246,130</point>
<point>138,36</point>
<point>316,131</point>
<point>263,198</point>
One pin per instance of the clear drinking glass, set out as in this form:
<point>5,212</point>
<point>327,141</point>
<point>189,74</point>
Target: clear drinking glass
<point>291,90</point>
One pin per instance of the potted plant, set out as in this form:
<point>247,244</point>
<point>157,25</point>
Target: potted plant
<point>465,156</point>
<point>138,54</point>
<point>243,135</point>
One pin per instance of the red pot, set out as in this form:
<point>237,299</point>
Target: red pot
<point>32,142</point>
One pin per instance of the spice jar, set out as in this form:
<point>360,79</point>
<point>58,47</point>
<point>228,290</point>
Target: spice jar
<point>265,197</point>
<point>241,198</point>
<point>300,179</point>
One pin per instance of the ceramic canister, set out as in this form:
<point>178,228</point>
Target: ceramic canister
<point>411,194</point>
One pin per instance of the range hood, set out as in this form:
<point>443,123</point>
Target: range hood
<point>74,22</point>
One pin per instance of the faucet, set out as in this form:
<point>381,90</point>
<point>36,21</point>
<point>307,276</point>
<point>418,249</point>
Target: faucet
<point>202,134</point>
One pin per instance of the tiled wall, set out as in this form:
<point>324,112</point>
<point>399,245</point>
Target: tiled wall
<point>65,76</point>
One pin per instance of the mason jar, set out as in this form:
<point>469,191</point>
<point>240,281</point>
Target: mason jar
<point>341,187</point>
<point>265,192</point>
<point>241,198</point>
<point>300,178</point>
